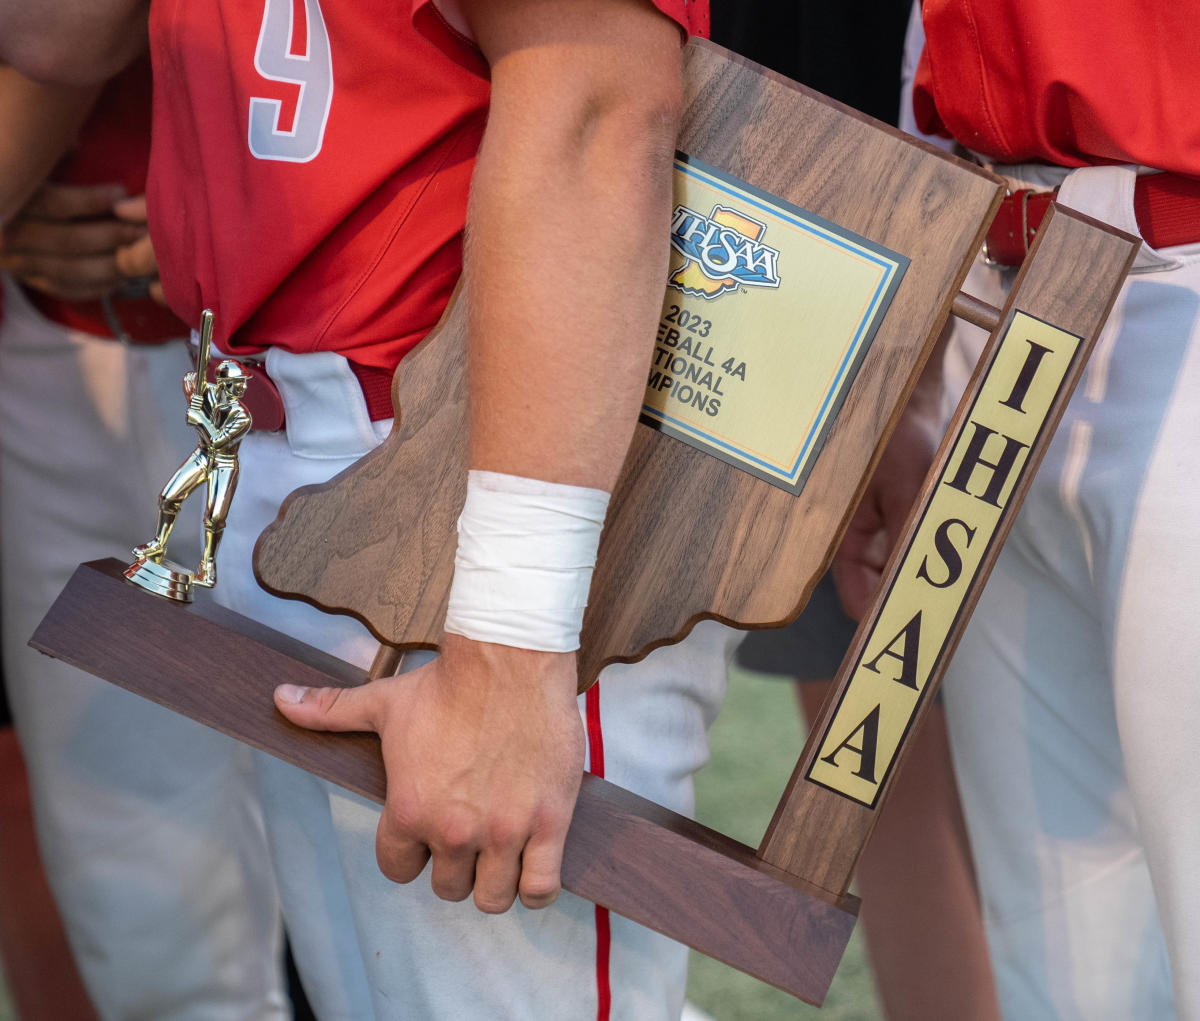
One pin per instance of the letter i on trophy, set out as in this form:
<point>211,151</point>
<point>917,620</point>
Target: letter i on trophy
<point>215,410</point>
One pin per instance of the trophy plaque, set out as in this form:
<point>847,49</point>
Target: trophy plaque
<point>816,256</point>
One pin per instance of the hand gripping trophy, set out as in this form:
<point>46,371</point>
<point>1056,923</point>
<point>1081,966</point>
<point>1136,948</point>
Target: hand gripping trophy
<point>216,412</point>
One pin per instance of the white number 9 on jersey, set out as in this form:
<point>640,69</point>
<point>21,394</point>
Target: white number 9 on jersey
<point>293,47</point>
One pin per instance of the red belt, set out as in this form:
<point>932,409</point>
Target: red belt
<point>128,317</point>
<point>139,320</point>
<point>263,401</point>
<point>1167,208</point>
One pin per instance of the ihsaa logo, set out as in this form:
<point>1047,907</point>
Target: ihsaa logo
<point>721,252</point>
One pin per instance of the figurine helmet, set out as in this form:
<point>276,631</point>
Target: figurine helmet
<point>229,369</point>
<point>233,374</point>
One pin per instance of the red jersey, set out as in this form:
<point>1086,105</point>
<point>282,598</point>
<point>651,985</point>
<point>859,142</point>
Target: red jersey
<point>1064,82</point>
<point>311,164</point>
<point>114,147</point>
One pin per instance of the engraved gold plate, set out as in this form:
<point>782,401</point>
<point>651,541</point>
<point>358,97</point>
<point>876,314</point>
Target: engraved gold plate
<point>769,312</point>
<point>957,530</point>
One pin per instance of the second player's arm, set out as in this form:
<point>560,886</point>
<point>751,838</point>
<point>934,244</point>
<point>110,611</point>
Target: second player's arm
<point>40,123</point>
<point>80,42</point>
<point>64,240</point>
<point>566,263</point>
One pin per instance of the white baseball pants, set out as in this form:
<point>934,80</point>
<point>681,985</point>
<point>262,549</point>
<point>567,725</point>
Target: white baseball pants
<point>369,948</point>
<point>148,823</point>
<point>1074,699</point>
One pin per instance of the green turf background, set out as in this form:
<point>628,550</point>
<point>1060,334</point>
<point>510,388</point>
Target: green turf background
<point>755,743</point>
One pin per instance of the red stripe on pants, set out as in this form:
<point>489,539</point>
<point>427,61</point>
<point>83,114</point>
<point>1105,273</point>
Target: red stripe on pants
<point>595,736</point>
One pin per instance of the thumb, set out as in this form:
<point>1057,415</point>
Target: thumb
<point>330,708</point>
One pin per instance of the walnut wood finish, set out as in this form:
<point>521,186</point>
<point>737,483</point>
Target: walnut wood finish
<point>626,853</point>
<point>976,312</point>
<point>1070,279</point>
<point>687,536</point>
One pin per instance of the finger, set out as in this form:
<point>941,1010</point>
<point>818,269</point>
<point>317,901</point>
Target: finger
<point>330,708</point>
<point>453,874</point>
<point>64,292</point>
<point>137,260</point>
<point>875,553</point>
<point>401,858</point>
<point>156,292</point>
<point>541,868</point>
<point>132,210</point>
<point>71,279</point>
<point>72,201</point>
<point>497,877</point>
<point>50,237</point>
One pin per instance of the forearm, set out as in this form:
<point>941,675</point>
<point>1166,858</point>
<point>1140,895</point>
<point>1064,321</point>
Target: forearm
<point>567,255</point>
<point>566,265</point>
<point>40,122</point>
<point>231,434</point>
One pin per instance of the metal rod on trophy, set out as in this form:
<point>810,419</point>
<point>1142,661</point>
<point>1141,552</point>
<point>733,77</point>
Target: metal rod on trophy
<point>202,352</point>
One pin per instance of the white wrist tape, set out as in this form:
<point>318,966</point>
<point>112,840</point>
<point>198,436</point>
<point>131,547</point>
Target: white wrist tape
<point>526,550</point>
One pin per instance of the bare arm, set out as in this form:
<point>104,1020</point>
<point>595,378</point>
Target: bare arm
<point>80,42</point>
<point>566,263</point>
<point>567,227</point>
<point>40,123</point>
<point>73,242</point>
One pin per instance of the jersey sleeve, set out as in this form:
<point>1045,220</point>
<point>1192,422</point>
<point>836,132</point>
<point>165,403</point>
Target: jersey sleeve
<point>441,23</point>
<point>691,15</point>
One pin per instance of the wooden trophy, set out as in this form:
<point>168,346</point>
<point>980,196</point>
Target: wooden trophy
<point>816,257</point>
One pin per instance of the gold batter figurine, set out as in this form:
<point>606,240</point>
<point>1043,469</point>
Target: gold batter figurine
<point>216,412</point>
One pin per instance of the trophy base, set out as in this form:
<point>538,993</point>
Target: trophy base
<point>167,580</point>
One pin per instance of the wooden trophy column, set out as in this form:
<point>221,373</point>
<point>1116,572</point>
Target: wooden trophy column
<point>1039,346</point>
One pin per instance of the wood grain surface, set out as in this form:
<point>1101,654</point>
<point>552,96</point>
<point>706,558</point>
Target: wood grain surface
<point>1070,279</point>
<point>628,854</point>
<point>687,536</point>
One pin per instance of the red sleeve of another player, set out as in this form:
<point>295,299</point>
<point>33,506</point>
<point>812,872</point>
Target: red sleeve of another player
<point>435,22</point>
<point>692,15</point>
<point>433,25</point>
<point>924,108</point>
